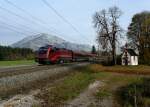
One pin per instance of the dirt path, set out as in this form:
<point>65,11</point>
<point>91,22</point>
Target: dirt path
<point>86,99</point>
<point>107,86</point>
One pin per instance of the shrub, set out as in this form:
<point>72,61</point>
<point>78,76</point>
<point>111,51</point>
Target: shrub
<point>139,89</point>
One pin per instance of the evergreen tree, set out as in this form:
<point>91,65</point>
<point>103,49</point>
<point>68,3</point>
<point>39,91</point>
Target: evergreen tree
<point>9,53</point>
<point>139,35</point>
<point>93,50</point>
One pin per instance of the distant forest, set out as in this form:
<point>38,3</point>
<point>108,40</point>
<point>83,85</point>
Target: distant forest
<point>9,53</point>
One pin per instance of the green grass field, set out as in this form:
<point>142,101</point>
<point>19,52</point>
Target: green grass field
<point>15,63</point>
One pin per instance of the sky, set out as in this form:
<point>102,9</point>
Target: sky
<point>15,24</point>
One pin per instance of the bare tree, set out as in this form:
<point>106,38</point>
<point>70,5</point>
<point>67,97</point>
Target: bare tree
<point>108,29</point>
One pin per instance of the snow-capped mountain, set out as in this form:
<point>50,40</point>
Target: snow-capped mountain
<point>36,41</point>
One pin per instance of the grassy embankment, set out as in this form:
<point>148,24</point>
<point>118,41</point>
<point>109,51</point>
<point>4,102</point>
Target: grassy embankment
<point>67,89</point>
<point>18,62</point>
<point>71,86</point>
<point>124,87</point>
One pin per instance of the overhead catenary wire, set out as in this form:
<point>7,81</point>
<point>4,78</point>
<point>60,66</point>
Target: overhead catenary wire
<point>11,29</point>
<point>21,17</point>
<point>29,14</point>
<point>64,19</point>
<point>33,17</point>
<point>17,23</point>
<point>23,10</point>
<point>17,15</point>
<point>14,27</point>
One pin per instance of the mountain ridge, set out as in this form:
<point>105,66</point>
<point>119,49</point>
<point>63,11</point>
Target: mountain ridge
<point>42,39</point>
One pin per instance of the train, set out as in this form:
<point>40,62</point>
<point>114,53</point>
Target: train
<point>50,54</point>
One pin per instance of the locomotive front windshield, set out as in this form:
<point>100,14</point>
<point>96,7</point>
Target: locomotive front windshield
<point>43,50</point>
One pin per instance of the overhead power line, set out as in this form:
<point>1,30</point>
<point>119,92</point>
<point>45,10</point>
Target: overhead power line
<point>27,13</point>
<point>13,13</point>
<point>14,27</point>
<point>11,29</point>
<point>33,17</point>
<point>21,17</point>
<point>23,10</point>
<point>28,20</point>
<point>63,18</point>
<point>25,26</point>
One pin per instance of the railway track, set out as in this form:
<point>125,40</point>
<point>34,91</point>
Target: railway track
<point>11,71</point>
<point>13,80</point>
<point>22,80</point>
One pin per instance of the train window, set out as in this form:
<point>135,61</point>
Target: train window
<point>43,50</point>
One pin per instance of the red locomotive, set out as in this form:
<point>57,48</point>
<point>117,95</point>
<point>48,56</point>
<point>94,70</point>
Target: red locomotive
<point>50,54</point>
